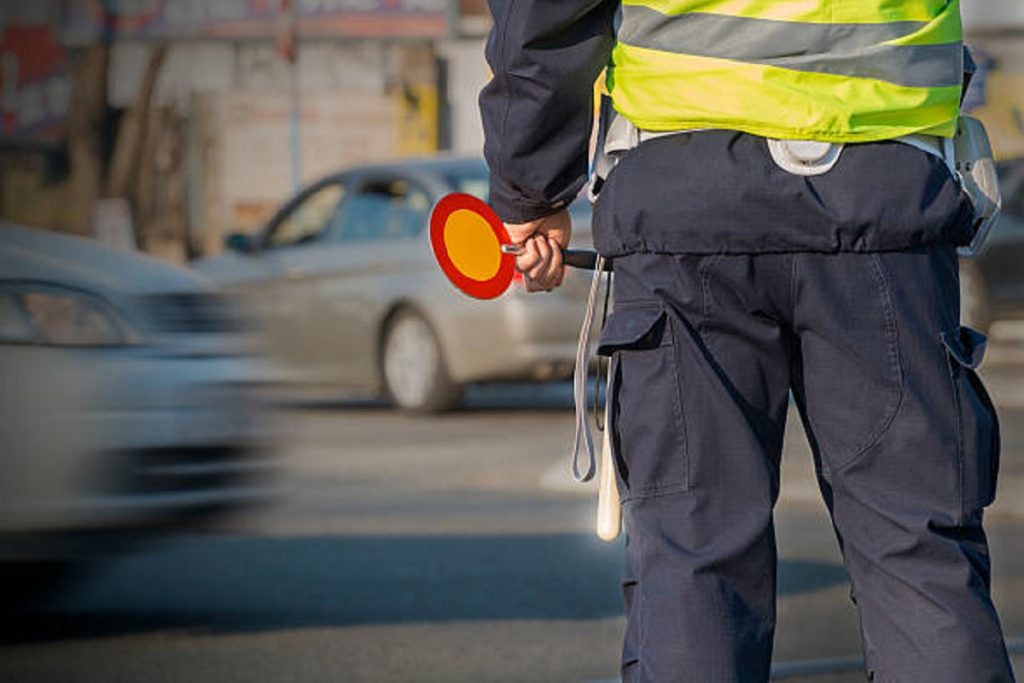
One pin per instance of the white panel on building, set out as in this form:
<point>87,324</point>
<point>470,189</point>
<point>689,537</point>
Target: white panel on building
<point>189,68</point>
<point>468,73</point>
<point>986,15</point>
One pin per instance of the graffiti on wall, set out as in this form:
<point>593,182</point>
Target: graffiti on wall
<point>87,20</point>
<point>35,86</point>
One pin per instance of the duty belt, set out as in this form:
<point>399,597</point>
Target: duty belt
<point>968,156</point>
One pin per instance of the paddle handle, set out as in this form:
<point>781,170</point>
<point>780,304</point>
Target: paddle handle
<point>609,506</point>
<point>584,259</point>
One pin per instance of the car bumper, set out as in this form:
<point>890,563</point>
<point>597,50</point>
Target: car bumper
<point>517,337</point>
<point>132,439</point>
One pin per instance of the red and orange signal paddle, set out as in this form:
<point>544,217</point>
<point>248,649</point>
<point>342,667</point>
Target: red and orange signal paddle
<point>474,250</point>
<point>476,254</point>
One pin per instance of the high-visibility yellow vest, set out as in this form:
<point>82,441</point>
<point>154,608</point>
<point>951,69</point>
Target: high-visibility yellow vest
<point>829,70</point>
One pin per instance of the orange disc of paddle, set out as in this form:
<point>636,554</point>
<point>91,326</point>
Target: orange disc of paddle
<point>467,236</point>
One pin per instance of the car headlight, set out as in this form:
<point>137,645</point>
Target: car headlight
<point>60,316</point>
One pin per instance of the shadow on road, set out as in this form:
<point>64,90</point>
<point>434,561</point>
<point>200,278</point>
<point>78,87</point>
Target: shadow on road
<point>232,584</point>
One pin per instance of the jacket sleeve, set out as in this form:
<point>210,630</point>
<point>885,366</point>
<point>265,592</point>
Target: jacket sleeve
<point>538,109</point>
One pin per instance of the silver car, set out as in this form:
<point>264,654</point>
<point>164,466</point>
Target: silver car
<point>346,286</point>
<point>124,408</point>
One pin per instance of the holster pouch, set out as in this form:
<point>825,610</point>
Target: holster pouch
<point>975,167</point>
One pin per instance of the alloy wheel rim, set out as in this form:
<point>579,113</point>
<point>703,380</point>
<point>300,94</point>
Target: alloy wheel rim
<point>410,361</point>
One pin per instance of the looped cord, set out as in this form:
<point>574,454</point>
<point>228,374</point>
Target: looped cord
<point>582,438</point>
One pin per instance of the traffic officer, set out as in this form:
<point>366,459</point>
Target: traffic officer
<point>782,218</point>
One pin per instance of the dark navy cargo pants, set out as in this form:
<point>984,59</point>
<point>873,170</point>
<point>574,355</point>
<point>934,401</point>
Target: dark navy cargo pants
<point>705,352</point>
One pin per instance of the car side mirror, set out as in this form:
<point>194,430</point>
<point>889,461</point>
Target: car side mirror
<point>240,242</point>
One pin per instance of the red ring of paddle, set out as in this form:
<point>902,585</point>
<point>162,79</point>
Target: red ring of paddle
<point>480,289</point>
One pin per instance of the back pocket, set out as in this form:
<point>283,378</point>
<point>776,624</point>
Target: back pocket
<point>976,420</point>
<point>648,432</point>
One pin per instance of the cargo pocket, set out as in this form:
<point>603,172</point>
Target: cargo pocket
<point>645,414</point>
<point>976,421</point>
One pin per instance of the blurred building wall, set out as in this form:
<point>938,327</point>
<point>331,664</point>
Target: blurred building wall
<point>35,91</point>
<point>369,88</point>
<point>359,101</point>
<point>467,75</point>
<point>995,32</point>
<point>988,15</point>
<point>377,80</point>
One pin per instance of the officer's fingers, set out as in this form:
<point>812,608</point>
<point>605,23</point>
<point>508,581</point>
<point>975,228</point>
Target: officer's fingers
<point>533,277</point>
<point>548,275</point>
<point>529,258</point>
<point>533,285</point>
<point>557,269</point>
<point>540,269</point>
<point>530,279</point>
<point>554,267</point>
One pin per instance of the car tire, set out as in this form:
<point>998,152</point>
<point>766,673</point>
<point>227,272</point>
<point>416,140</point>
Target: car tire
<point>24,585</point>
<point>975,310</point>
<point>415,376</point>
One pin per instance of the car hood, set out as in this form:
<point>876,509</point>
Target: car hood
<point>38,255</point>
<point>229,268</point>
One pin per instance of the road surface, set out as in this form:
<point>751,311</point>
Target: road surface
<point>447,549</point>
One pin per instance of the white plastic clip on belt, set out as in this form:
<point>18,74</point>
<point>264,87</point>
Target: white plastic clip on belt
<point>804,157</point>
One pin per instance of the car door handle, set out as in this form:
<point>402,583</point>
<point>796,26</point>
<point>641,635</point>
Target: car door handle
<point>296,273</point>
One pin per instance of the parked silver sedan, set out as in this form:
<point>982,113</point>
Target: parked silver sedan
<point>346,286</point>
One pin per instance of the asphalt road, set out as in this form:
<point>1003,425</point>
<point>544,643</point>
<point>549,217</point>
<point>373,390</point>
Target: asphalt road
<point>447,549</point>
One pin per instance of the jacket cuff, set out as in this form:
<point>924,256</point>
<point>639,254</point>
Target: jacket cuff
<point>512,207</point>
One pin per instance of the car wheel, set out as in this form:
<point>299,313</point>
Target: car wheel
<point>413,367</point>
<point>974,305</point>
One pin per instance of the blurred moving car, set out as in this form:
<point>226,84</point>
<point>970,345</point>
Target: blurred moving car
<point>992,282</point>
<point>123,408</point>
<point>345,283</point>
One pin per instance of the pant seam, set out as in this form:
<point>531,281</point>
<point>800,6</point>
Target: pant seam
<point>683,435</point>
<point>953,371</point>
<point>639,613</point>
<point>705,290</point>
<point>792,287</point>
<point>893,355</point>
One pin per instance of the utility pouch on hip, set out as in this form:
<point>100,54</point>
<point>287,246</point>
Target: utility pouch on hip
<point>975,168</point>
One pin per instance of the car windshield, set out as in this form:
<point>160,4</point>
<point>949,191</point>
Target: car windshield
<point>471,181</point>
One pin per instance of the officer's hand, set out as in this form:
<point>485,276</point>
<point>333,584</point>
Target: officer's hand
<point>543,241</point>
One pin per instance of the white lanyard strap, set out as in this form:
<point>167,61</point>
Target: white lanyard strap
<point>582,436</point>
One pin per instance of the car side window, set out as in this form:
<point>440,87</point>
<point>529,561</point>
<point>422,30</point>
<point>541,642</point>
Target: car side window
<point>307,219</point>
<point>384,210</point>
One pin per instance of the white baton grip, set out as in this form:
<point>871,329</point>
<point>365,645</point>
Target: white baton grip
<point>609,510</point>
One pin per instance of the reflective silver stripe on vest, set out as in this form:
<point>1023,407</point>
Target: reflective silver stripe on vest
<point>856,50</point>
